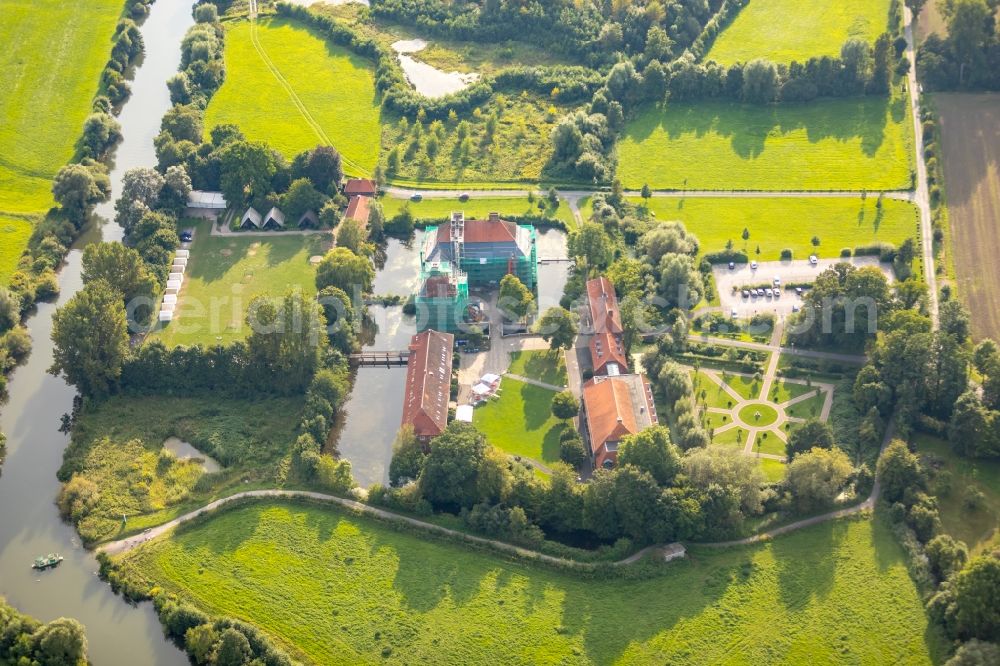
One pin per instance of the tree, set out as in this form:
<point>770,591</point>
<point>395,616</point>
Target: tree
<point>969,26</point>
<point>515,300</point>
<point>122,267</point>
<point>351,234</point>
<point>91,339</point>
<point>247,168</point>
<point>977,599</point>
<point>899,471</point>
<point>301,197</point>
<point>176,189</point>
<point>816,478</point>
<point>322,166</point>
<point>183,123</point>
<point>407,457</point>
<point>651,451</point>
<point>60,642</point>
<point>624,501</point>
<point>681,285</point>
<point>591,244</point>
<point>10,310</point>
<point>79,187</point>
<point>565,405</point>
<point>448,478</point>
<point>286,340</point>
<point>200,641</point>
<point>760,82</point>
<point>646,193</point>
<point>345,270</point>
<point>666,238</point>
<point>233,649</point>
<point>730,470</point>
<point>100,132</point>
<point>811,434</point>
<point>945,555</point>
<point>140,191</point>
<point>571,448</point>
<point>976,653</point>
<point>558,326</point>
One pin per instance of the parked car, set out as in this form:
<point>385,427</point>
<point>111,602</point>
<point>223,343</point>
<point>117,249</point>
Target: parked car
<point>186,236</point>
<point>796,308</point>
<point>734,313</point>
<point>746,294</point>
<point>760,292</point>
<point>798,291</point>
<point>768,292</point>
<point>813,259</point>
<point>753,293</point>
<point>753,265</point>
<point>416,197</point>
<point>732,265</point>
<point>464,196</point>
<point>777,293</point>
<point>777,280</point>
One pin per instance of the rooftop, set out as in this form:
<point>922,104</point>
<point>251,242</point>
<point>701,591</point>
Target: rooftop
<point>603,303</point>
<point>428,383</point>
<point>359,209</point>
<point>362,186</point>
<point>617,406</point>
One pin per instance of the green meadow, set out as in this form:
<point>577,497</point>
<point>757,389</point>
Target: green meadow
<point>520,421</point>
<point>842,144</point>
<point>436,207</point>
<point>224,275</point>
<point>335,588</point>
<point>790,223</point>
<point>52,63</point>
<point>266,97</point>
<point>787,30</point>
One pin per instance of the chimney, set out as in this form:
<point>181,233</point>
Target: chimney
<point>494,217</point>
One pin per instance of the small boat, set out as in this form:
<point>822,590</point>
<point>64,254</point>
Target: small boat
<point>48,561</point>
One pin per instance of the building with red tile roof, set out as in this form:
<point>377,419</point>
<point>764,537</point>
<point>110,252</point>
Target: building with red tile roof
<point>485,250</point>
<point>608,354</point>
<point>358,209</point>
<point>428,384</point>
<point>360,187</point>
<point>603,303</point>
<point>614,407</point>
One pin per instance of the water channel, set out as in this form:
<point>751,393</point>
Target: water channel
<point>118,634</point>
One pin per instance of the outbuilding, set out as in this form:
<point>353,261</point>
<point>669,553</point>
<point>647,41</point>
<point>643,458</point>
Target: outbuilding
<point>275,219</point>
<point>251,220</point>
<point>309,220</point>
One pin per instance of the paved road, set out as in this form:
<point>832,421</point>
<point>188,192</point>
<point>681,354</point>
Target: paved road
<point>921,194</point>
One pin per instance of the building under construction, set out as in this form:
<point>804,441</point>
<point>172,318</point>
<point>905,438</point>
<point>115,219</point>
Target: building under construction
<point>463,253</point>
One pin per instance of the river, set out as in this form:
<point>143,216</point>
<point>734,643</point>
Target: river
<point>118,634</point>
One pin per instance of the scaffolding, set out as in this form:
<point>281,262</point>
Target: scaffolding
<point>487,252</point>
<point>443,299</point>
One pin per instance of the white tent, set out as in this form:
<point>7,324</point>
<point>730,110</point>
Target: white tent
<point>166,315</point>
<point>181,261</point>
<point>168,307</point>
<point>482,390</point>
<point>177,268</point>
<point>170,298</point>
<point>464,413</point>
<point>172,290</point>
<point>176,284</point>
<point>490,378</point>
<point>183,254</point>
<point>176,276</point>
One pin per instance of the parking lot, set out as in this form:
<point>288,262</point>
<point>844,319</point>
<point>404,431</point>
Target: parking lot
<point>742,277</point>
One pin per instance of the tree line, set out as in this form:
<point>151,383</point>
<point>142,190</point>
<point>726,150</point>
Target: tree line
<point>25,640</point>
<point>968,56</point>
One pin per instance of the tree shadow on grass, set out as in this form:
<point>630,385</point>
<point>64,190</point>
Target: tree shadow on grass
<point>537,406</point>
<point>806,574</point>
<point>550,445</point>
<point>748,127</point>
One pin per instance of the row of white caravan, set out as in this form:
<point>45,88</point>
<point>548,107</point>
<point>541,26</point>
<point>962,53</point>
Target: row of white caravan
<point>174,282</point>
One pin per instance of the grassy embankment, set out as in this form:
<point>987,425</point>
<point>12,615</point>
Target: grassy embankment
<point>118,445</point>
<point>52,61</point>
<point>224,275</point>
<point>787,30</point>
<point>776,224</point>
<point>842,144</point>
<point>336,88</point>
<point>338,588</point>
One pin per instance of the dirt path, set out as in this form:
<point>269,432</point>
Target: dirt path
<point>921,196</point>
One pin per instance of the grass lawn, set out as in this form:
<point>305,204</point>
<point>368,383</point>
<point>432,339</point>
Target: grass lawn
<point>770,444</point>
<point>520,422</point>
<point>735,438</point>
<point>337,588</point>
<point>336,87</point>
<point>435,208</point>
<point>807,409</point>
<point>746,386</point>
<point>777,224</point>
<point>844,144</point>
<point>955,480</point>
<point>52,64</point>
<point>117,444</point>
<point>758,414</point>
<point>14,234</point>
<point>784,391</point>
<point>225,273</point>
<point>773,470</point>
<point>716,419</point>
<point>545,366</point>
<point>715,395</point>
<point>787,30</point>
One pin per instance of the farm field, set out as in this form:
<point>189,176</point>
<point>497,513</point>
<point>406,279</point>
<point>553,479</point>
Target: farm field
<point>118,445</point>
<point>970,147</point>
<point>225,273</point>
<point>960,479</point>
<point>52,64</point>
<point>845,144</point>
<point>434,208</point>
<point>787,30</point>
<point>334,85</point>
<point>520,422</point>
<point>349,590</point>
<point>779,223</point>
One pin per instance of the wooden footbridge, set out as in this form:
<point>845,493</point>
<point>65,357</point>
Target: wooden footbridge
<point>374,359</point>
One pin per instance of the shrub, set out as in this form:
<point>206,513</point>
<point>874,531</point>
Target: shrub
<point>786,254</point>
